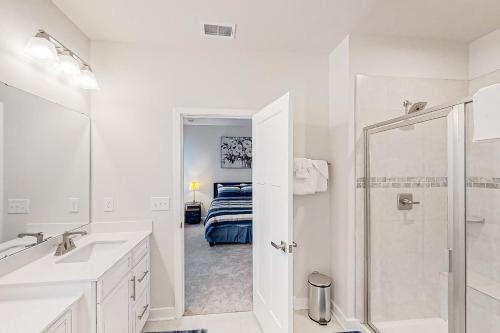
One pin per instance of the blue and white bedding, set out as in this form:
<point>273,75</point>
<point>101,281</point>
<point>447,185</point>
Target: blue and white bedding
<point>229,220</point>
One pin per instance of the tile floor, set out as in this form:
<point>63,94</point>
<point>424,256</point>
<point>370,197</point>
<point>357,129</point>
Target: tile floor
<point>241,322</point>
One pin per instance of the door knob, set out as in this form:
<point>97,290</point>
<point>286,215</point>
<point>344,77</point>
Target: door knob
<point>281,247</point>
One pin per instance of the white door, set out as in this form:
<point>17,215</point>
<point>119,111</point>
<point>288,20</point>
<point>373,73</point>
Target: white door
<point>272,225</point>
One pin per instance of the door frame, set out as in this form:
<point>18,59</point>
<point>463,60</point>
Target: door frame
<point>178,115</point>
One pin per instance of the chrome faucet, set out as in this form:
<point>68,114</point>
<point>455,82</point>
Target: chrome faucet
<point>67,243</point>
<point>37,235</point>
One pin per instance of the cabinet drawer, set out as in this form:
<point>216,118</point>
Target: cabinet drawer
<point>141,273</point>
<point>141,311</point>
<point>62,325</point>
<point>139,251</point>
<point>112,278</point>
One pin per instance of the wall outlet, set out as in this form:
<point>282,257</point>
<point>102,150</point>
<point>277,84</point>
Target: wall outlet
<point>18,206</point>
<point>160,203</point>
<point>109,204</point>
<point>74,205</point>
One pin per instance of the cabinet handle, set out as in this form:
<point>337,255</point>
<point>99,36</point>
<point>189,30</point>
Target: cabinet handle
<point>133,288</point>
<point>143,277</point>
<point>143,312</point>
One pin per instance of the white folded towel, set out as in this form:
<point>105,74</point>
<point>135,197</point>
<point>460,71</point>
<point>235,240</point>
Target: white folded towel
<point>320,175</point>
<point>302,167</point>
<point>487,113</point>
<point>303,180</point>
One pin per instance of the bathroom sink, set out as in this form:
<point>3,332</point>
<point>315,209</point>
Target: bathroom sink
<point>91,251</point>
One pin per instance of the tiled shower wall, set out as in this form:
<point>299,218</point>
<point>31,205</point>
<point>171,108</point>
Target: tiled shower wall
<point>408,246</point>
<point>483,235</point>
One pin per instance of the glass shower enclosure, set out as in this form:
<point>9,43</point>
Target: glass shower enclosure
<point>432,229</point>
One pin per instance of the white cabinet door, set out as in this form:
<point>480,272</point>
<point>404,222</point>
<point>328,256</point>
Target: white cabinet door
<point>273,216</point>
<point>62,325</point>
<point>113,312</point>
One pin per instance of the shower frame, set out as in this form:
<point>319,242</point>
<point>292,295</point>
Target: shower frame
<point>455,114</point>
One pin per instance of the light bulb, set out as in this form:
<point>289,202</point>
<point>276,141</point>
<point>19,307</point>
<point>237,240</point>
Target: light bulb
<point>68,64</point>
<point>41,49</point>
<point>88,80</point>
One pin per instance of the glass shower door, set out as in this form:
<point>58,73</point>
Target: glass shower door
<point>407,227</point>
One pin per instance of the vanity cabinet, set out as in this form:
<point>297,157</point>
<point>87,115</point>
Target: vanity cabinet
<point>123,293</point>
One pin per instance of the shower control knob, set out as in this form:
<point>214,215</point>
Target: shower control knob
<point>405,201</point>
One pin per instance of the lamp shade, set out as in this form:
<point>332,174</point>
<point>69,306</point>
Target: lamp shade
<point>42,49</point>
<point>68,64</point>
<point>194,186</point>
<point>88,80</point>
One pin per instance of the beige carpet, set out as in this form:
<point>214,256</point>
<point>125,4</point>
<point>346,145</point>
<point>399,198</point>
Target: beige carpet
<point>217,279</point>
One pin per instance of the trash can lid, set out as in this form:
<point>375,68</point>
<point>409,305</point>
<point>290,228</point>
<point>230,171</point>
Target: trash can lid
<point>319,280</point>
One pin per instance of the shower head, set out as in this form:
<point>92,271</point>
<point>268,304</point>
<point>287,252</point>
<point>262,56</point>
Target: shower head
<point>414,107</point>
<point>418,106</point>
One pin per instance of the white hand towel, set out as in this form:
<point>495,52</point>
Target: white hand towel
<point>303,182</point>
<point>320,176</point>
<point>487,113</point>
<point>302,168</point>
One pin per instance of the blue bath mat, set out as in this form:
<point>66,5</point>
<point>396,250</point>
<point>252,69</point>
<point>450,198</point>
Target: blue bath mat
<point>191,331</point>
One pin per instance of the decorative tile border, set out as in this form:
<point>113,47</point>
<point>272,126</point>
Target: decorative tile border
<point>426,182</point>
<point>403,182</point>
<point>483,182</point>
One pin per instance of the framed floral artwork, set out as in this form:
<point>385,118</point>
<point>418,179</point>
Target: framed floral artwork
<point>236,152</point>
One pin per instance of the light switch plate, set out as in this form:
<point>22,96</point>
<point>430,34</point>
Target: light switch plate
<point>160,203</point>
<point>18,206</point>
<point>109,204</point>
<point>74,205</point>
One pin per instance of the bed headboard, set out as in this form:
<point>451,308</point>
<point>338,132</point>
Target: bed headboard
<point>227,184</point>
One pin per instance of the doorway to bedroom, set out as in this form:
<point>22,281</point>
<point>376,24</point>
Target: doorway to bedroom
<point>217,183</point>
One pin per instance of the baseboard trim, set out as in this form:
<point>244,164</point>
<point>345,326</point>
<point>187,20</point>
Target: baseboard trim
<point>300,303</point>
<point>160,314</point>
<point>346,323</point>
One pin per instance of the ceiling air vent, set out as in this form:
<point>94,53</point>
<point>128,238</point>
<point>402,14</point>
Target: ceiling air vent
<point>218,30</point>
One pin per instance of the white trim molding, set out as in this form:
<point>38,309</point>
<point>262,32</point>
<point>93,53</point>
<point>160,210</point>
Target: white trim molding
<point>346,323</point>
<point>300,303</point>
<point>160,314</point>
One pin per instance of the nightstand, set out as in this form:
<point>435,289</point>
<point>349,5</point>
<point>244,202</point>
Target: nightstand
<point>192,212</point>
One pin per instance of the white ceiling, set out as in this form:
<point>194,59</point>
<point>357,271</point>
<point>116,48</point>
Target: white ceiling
<point>280,25</point>
<point>458,20</point>
<point>262,25</point>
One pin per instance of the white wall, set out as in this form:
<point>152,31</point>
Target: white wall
<point>408,57</point>
<point>484,55</point>
<point>202,160</point>
<point>343,178</point>
<point>132,147</point>
<point>379,56</point>
<point>19,20</point>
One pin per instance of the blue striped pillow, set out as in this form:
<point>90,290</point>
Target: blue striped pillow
<point>246,191</point>
<point>228,191</point>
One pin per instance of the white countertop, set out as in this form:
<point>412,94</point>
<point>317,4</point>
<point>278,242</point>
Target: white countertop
<point>33,315</point>
<point>46,270</point>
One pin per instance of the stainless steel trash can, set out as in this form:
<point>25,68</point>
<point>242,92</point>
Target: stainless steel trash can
<point>320,287</point>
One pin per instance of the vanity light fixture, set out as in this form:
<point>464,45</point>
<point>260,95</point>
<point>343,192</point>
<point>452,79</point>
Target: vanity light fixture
<point>43,47</point>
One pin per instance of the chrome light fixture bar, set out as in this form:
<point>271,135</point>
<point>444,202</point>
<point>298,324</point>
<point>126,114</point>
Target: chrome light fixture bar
<point>45,48</point>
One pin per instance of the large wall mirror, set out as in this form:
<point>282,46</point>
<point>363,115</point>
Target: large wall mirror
<point>44,170</point>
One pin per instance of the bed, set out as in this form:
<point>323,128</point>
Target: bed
<point>229,218</point>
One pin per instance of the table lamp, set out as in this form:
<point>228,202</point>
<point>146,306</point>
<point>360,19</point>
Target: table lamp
<point>194,186</point>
